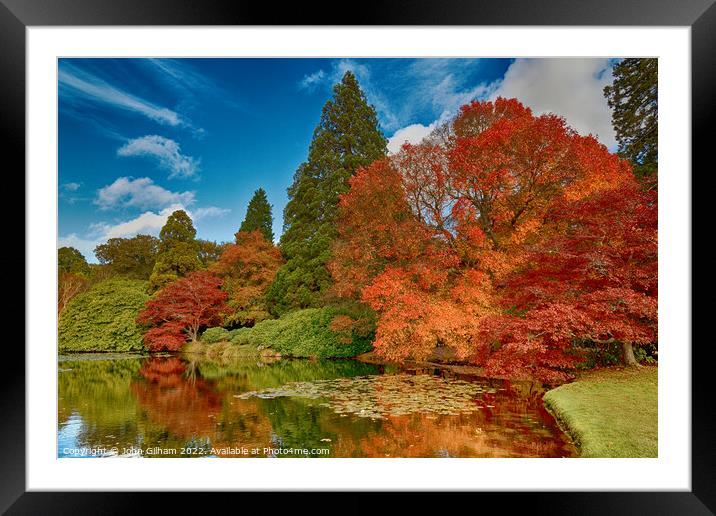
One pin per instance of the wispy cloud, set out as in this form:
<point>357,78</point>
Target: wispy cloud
<point>69,192</point>
<point>165,151</point>
<point>70,187</point>
<point>76,82</point>
<point>194,86</point>
<point>400,89</point>
<point>209,211</point>
<point>442,84</point>
<point>141,193</point>
<point>326,79</point>
<point>311,81</point>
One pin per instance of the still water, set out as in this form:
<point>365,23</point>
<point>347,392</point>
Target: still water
<point>186,406</point>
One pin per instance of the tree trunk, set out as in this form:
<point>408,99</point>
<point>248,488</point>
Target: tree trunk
<point>629,359</point>
<point>193,333</point>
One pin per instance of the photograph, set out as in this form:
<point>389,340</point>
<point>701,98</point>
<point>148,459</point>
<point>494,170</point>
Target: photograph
<point>357,257</point>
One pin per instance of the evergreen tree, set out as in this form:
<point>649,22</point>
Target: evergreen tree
<point>346,138</point>
<point>178,228</point>
<point>634,102</point>
<point>258,215</point>
<point>178,251</point>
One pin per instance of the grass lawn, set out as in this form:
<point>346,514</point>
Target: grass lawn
<point>610,412</point>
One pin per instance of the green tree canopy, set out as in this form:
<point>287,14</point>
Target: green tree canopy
<point>132,257</point>
<point>178,251</point>
<point>346,138</point>
<point>258,215</point>
<point>71,260</point>
<point>209,252</point>
<point>633,98</point>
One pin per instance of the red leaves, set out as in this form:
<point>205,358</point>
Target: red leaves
<point>376,227</point>
<point>514,240</point>
<point>181,308</point>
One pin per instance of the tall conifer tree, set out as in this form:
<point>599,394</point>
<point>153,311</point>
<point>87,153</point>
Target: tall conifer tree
<point>346,138</point>
<point>258,215</point>
<point>633,98</point>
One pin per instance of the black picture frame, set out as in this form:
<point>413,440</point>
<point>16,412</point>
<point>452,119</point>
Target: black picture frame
<point>700,15</point>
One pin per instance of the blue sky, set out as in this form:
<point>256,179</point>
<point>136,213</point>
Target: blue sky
<point>139,138</point>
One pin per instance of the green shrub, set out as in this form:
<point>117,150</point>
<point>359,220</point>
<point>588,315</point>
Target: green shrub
<point>647,354</point>
<point>213,335</point>
<point>240,336</point>
<point>235,332</point>
<point>103,318</point>
<point>313,332</point>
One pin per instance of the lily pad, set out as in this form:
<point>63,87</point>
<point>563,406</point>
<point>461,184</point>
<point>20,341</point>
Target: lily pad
<point>388,395</point>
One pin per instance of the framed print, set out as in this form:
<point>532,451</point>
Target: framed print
<point>424,246</point>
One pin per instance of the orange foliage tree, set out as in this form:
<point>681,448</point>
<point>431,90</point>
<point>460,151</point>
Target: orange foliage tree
<point>506,242</point>
<point>247,267</point>
<point>181,309</point>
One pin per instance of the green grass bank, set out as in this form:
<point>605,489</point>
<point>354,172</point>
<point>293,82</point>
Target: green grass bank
<point>610,412</point>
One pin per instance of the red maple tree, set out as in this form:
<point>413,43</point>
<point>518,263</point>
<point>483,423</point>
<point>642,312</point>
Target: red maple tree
<point>507,243</point>
<point>180,309</point>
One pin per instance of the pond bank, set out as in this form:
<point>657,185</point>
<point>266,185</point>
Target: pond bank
<point>437,361</point>
<point>609,412</point>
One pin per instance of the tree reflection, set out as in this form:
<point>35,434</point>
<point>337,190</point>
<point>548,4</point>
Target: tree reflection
<point>170,402</point>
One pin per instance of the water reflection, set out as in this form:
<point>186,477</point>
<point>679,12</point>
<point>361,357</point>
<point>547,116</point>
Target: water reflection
<point>186,406</point>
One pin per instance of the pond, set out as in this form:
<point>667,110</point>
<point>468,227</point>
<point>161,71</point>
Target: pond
<point>187,406</point>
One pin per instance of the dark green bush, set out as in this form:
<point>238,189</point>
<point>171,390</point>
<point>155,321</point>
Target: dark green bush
<point>214,335</point>
<point>103,318</point>
<point>647,354</point>
<point>603,355</point>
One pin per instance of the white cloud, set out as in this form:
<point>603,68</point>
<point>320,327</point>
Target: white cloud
<point>413,133</point>
<point>167,153</point>
<point>78,82</point>
<point>147,223</point>
<point>83,245</point>
<point>209,211</point>
<point>572,88</point>
<point>141,193</point>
